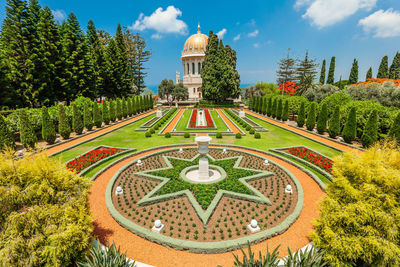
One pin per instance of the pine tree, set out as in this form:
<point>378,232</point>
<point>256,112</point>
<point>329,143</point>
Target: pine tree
<point>394,71</point>
<point>269,108</point>
<point>106,113</point>
<point>322,119</point>
<point>279,110</point>
<point>301,117</point>
<point>369,74</point>
<point>6,136</point>
<point>113,112</point>
<point>394,131</point>
<point>323,72</point>
<point>77,123</point>
<point>334,123</point>
<point>286,72</point>
<point>285,114</point>
<point>350,128</point>
<point>64,127</point>
<point>26,132</point>
<point>353,78</point>
<point>48,130</point>
<point>383,71</point>
<point>306,67</point>
<point>125,82</point>
<point>331,72</point>
<point>87,118</point>
<point>97,119</point>
<point>311,116</point>
<point>370,133</point>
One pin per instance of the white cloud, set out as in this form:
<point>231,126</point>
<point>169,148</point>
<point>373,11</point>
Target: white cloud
<point>256,45</point>
<point>156,36</point>
<point>59,14</point>
<point>236,38</point>
<point>323,13</point>
<point>162,21</point>
<point>382,24</point>
<point>221,33</point>
<point>253,34</point>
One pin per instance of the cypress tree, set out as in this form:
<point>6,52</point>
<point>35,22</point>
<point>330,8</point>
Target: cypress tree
<point>301,117</point>
<point>27,134</point>
<point>369,74</point>
<point>274,107</point>
<point>97,119</point>
<point>350,128</point>
<point>124,108</point>
<point>141,104</point>
<point>129,106</point>
<point>113,114</point>
<point>323,71</point>
<point>48,131</point>
<point>285,114</point>
<point>394,71</point>
<point>106,113</point>
<point>331,72</point>
<point>259,104</point>
<point>311,116</point>
<point>353,78</point>
<point>279,110</point>
<point>394,131</point>
<point>383,71</point>
<point>6,136</point>
<point>77,123</point>
<point>134,105</point>
<point>87,117</point>
<point>64,127</point>
<point>269,108</point>
<point>334,123</point>
<point>264,108</point>
<point>322,119</point>
<point>370,133</point>
<point>119,109</point>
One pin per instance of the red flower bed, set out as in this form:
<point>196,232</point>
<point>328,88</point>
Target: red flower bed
<point>193,118</point>
<point>316,159</point>
<point>78,164</point>
<point>376,80</point>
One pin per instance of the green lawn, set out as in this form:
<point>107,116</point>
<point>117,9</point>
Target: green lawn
<point>184,120</point>
<point>128,138</point>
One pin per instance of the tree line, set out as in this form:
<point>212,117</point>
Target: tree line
<point>42,62</point>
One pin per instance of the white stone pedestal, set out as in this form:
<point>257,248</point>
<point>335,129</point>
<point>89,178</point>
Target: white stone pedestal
<point>242,114</point>
<point>157,229</point>
<point>159,113</point>
<point>203,169</point>
<point>253,226</point>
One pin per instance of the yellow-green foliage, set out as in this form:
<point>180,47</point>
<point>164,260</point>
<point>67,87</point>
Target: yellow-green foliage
<point>360,217</point>
<point>44,215</point>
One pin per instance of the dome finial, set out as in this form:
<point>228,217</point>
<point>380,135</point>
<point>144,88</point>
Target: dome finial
<point>198,28</point>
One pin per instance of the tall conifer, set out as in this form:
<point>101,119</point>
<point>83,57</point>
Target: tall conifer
<point>383,71</point>
<point>369,74</point>
<point>331,72</point>
<point>394,71</point>
<point>323,72</point>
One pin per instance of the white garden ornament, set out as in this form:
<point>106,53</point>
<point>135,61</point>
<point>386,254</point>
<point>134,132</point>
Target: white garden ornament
<point>119,190</point>
<point>139,163</point>
<point>266,162</point>
<point>253,226</point>
<point>180,150</point>
<point>289,189</point>
<point>158,226</point>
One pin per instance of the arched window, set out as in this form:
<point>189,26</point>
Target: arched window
<point>194,90</point>
<point>188,70</point>
<point>199,68</point>
<point>193,70</point>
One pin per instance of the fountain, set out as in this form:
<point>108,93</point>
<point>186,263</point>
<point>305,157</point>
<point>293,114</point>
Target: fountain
<point>201,119</point>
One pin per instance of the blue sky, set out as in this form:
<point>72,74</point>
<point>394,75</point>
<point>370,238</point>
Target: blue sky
<point>347,29</point>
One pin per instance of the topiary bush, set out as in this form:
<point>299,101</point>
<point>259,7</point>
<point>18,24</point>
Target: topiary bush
<point>274,108</point>
<point>252,131</point>
<point>27,134</point>
<point>279,110</point>
<point>152,131</point>
<point>124,108</point>
<point>106,113</point>
<point>87,118</point>
<point>350,128</point>
<point>113,114</point>
<point>269,106</point>
<point>322,119</point>
<point>238,136</point>
<point>77,123</point>
<point>96,115</point>
<point>257,135</point>
<point>248,127</point>
<point>6,136</point>
<point>187,135</point>
<point>311,116</point>
<point>302,115</point>
<point>64,127</point>
<point>218,135</point>
<point>167,135</point>
<point>285,112</point>
<point>370,134</point>
<point>48,131</point>
<point>147,134</point>
<point>334,123</point>
<point>119,109</point>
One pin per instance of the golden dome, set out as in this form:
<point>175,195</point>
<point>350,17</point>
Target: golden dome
<point>196,43</point>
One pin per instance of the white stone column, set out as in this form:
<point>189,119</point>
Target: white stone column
<point>203,142</point>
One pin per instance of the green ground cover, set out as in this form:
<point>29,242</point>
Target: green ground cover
<point>128,138</point>
<point>184,120</point>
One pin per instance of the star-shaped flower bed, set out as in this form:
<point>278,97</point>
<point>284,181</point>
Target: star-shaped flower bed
<point>204,197</point>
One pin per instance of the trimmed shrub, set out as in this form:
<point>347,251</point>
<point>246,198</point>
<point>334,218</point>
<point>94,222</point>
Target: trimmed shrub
<point>395,130</point>
<point>285,112</point>
<point>187,135</point>
<point>257,135</point>
<point>350,128</point>
<point>322,119</point>
<point>269,107</point>
<point>302,115</point>
<point>167,135</point>
<point>248,127</point>
<point>238,136</point>
<point>6,136</point>
<point>337,99</point>
<point>119,109</point>
<point>147,134</point>
<point>252,131</point>
<point>106,113</point>
<point>64,127</point>
<point>264,107</point>
<point>334,123</point>
<point>124,108</point>
<point>129,106</point>
<point>274,108</point>
<point>77,123</point>
<point>218,135</point>
<point>152,130</point>
<point>279,110</point>
<point>96,115</point>
<point>113,114</point>
<point>87,118</point>
<point>134,106</point>
<point>370,134</point>
<point>311,116</point>
<point>27,134</point>
<point>48,131</point>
